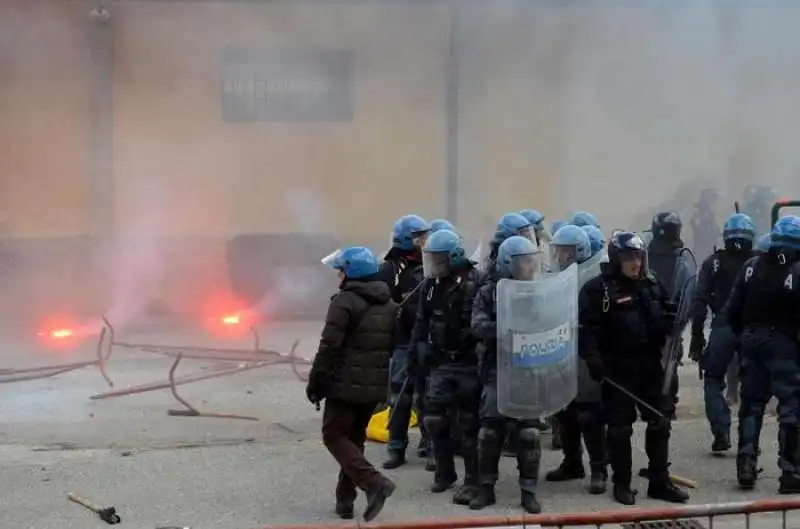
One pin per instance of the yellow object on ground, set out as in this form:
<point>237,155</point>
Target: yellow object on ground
<point>378,427</point>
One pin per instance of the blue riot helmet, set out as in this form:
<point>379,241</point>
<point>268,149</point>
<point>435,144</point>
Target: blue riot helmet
<point>739,232</point>
<point>442,253</point>
<point>570,245</point>
<point>534,217</point>
<point>763,243</point>
<point>355,262</point>
<point>518,258</point>
<point>409,232</point>
<point>597,240</point>
<point>666,224</point>
<point>584,218</point>
<point>512,224</point>
<point>442,224</point>
<point>557,225</point>
<point>785,239</point>
<point>628,253</point>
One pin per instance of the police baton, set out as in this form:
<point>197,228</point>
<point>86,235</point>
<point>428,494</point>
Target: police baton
<point>399,395</point>
<point>633,397</point>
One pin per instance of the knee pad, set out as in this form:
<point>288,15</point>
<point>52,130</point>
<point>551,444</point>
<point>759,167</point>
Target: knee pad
<point>620,432</point>
<point>528,437</point>
<point>490,434</point>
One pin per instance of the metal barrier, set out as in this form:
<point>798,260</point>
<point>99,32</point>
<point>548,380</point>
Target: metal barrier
<point>665,518</point>
<point>255,358</point>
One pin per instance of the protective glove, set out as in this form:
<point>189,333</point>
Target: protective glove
<point>314,392</point>
<point>595,367</point>
<point>696,347</point>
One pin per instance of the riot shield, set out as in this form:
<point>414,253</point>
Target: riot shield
<point>590,268</point>
<point>537,332</point>
<point>684,285</point>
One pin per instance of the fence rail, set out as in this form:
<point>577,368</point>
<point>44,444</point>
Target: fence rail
<point>709,511</point>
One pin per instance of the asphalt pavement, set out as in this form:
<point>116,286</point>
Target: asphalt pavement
<point>216,473</point>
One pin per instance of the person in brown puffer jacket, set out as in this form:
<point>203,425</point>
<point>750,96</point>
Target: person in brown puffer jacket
<point>351,372</point>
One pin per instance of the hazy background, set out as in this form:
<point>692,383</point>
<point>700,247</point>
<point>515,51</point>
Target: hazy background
<point>182,158</point>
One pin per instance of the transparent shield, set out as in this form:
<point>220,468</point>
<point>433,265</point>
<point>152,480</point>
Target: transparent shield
<point>537,331</point>
<point>528,233</point>
<point>476,255</point>
<point>590,268</point>
<point>435,264</point>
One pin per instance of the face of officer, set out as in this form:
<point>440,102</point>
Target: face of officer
<point>631,264</point>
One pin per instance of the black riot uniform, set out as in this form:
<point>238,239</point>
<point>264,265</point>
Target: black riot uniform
<point>624,323</point>
<point>402,271</point>
<point>763,310</point>
<point>715,281</point>
<point>445,349</point>
<point>663,253</point>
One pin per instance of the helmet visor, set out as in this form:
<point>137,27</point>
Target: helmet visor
<point>419,238</point>
<point>333,260</point>
<point>562,256</point>
<point>526,267</point>
<point>435,264</point>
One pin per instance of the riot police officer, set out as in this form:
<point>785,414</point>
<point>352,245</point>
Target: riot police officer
<point>714,285</point>
<point>402,271</point>
<point>446,348</point>
<point>517,258</point>
<point>537,222</point>
<point>663,253</point>
<point>705,230</point>
<point>583,417</point>
<point>625,319</point>
<point>442,224</point>
<point>763,310</point>
<point>509,225</point>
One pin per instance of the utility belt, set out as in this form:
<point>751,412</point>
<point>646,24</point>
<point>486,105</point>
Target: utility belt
<point>463,357</point>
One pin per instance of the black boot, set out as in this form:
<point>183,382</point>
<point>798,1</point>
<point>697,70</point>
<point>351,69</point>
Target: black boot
<point>722,443</point>
<point>529,503</point>
<point>665,490</point>
<point>624,494</point>
<point>484,497</point>
<point>395,460</point>
<point>746,472</point>
<point>344,510</point>
<point>377,497</point>
<point>566,471</point>
<point>789,483</point>
<point>464,494</point>
<point>598,483</point>
<point>441,485</point>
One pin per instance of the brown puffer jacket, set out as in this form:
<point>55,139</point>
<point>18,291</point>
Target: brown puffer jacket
<point>352,361</point>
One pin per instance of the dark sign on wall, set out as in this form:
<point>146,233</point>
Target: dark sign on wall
<point>287,86</point>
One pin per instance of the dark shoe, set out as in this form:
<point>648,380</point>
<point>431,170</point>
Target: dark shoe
<point>395,460</point>
<point>424,450</point>
<point>377,497</point>
<point>746,473</point>
<point>722,443</point>
<point>530,504</point>
<point>344,510</point>
<point>430,465</point>
<point>566,471</point>
<point>483,498</point>
<point>441,486</point>
<point>464,494</point>
<point>666,491</point>
<point>789,483</point>
<point>624,494</point>
<point>598,483</point>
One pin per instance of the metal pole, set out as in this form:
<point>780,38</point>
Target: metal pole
<point>452,97</point>
<point>101,45</point>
